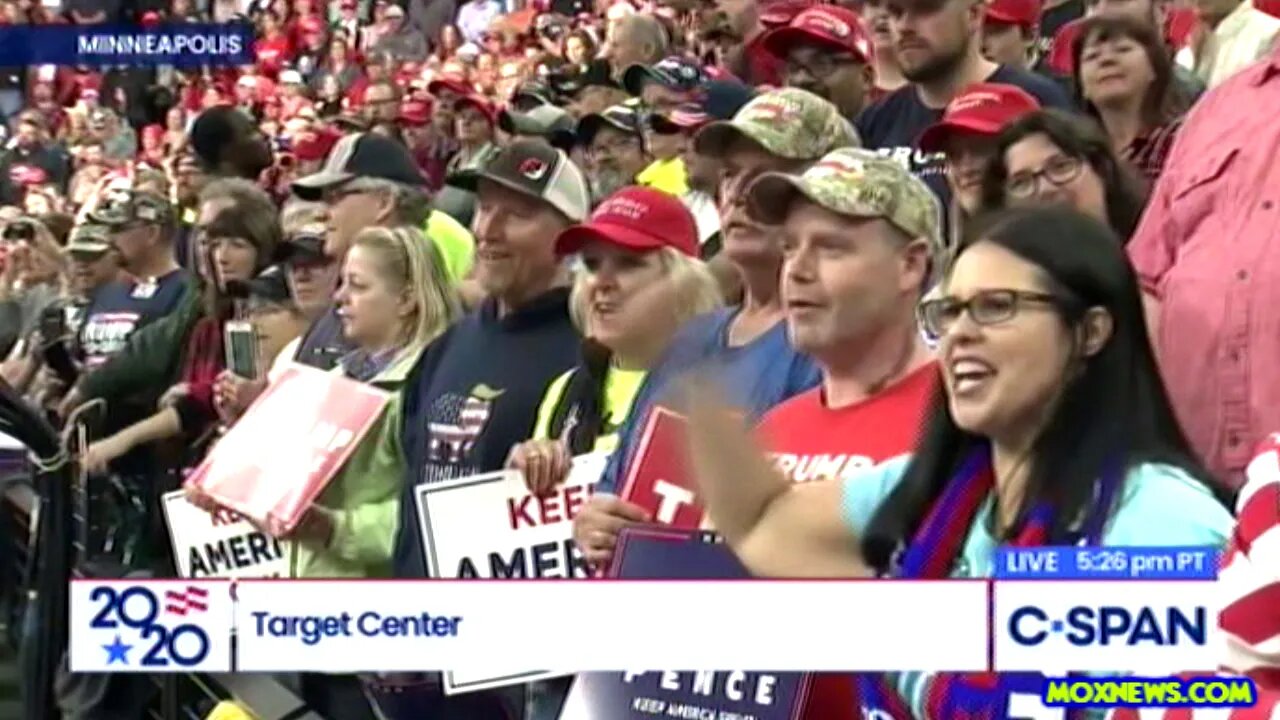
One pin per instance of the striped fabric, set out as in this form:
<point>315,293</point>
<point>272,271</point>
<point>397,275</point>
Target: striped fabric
<point>1250,583</point>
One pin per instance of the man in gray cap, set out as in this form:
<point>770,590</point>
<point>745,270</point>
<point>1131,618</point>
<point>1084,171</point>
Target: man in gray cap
<point>476,392</point>
<point>545,122</point>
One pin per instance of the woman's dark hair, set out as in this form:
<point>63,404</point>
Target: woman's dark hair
<point>250,215</point>
<point>1124,191</point>
<point>1113,408</point>
<point>1164,102</point>
<point>588,44</point>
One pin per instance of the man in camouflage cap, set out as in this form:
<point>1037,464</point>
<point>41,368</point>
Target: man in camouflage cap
<point>860,236</point>
<point>141,227</point>
<point>777,131</point>
<point>94,262</point>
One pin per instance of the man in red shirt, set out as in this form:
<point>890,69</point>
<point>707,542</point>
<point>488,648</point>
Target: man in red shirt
<point>860,237</point>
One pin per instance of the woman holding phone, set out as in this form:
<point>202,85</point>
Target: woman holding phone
<point>239,229</point>
<point>395,298</point>
<point>1051,426</point>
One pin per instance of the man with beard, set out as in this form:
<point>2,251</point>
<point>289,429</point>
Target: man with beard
<point>938,44</point>
<point>826,51</point>
<point>615,150</point>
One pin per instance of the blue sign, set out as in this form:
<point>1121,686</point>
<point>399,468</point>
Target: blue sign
<point>180,45</point>
<point>1107,563</point>
<point>667,555</point>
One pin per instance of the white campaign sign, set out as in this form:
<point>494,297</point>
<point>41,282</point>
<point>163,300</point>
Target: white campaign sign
<point>490,526</point>
<point>224,545</point>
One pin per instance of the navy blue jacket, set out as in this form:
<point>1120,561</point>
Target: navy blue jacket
<point>474,394</point>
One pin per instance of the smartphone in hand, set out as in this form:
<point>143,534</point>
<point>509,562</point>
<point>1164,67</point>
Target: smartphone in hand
<point>241,340</point>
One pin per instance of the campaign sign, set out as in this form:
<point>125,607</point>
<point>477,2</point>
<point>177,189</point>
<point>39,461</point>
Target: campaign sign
<point>151,626</point>
<point>490,526</point>
<point>221,544</point>
<point>660,480</point>
<point>727,695</point>
<point>295,437</point>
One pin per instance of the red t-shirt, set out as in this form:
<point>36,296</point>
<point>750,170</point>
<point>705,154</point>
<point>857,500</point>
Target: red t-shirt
<point>810,441</point>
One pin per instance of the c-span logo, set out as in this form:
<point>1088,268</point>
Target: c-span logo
<point>151,626</point>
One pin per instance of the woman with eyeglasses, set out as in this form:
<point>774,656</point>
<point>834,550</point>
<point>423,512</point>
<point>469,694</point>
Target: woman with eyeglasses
<point>1052,157</point>
<point>1051,427</point>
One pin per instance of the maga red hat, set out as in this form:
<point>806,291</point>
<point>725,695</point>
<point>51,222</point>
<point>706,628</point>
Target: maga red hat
<point>638,218</point>
<point>831,26</point>
<point>982,109</point>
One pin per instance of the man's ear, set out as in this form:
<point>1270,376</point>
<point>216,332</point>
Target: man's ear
<point>386,208</point>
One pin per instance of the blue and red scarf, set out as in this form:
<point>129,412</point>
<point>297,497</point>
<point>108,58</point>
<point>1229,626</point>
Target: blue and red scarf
<point>932,554</point>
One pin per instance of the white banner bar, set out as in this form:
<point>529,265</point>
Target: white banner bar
<point>609,625</point>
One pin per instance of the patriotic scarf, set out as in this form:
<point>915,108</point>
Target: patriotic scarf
<point>931,554</point>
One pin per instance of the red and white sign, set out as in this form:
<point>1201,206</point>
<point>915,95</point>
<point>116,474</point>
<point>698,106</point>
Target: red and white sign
<point>294,439</point>
<point>660,479</point>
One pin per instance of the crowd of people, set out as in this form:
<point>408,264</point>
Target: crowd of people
<point>925,277</point>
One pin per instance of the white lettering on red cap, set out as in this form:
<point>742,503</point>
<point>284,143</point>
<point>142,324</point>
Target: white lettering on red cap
<point>829,24</point>
<point>973,100</point>
<point>628,208</point>
<point>532,168</point>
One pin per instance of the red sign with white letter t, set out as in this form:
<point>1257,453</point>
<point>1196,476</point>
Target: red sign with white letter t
<point>660,480</point>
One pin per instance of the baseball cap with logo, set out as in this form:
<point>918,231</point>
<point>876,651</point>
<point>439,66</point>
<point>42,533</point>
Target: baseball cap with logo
<point>981,109</point>
<point>638,218</point>
<point>619,117</point>
<point>721,100</point>
<point>675,73</point>
<point>856,183</point>
<point>89,239</point>
<point>829,26</point>
<point>367,155</point>
<point>787,122</point>
<point>535,169</point>
<point>124,207</point>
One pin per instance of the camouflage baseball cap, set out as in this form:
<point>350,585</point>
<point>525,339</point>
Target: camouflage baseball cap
<point>858,183</point>
<point>788,122</point>
<point>128,207</point>
<point>89,239</point>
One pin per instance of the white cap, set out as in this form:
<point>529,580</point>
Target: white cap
<point>290,77</point>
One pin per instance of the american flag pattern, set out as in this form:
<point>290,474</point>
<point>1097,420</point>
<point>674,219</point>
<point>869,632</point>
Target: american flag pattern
<point>455,423</point>
<point>193,600</point>
<point>1250,584</point>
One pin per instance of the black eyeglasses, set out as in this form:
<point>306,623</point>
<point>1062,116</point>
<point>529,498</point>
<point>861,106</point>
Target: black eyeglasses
<point>986,307</point>
<point>1060,170</point>
<point>817,65</point>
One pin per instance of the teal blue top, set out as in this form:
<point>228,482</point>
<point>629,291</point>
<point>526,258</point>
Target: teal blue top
<point>1160,506</point>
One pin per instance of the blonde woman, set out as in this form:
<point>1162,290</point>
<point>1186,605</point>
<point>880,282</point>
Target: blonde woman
<point>640,280</point>
<point>394,300</point>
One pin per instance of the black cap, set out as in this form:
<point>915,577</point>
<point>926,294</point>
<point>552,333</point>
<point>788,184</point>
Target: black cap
<point>361,155</point>
<point>269,287</point>
<point>620,117</point>
<point>305,245</point>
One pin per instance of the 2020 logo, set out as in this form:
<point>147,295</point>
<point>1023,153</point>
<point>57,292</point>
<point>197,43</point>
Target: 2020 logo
<point>162,641</point>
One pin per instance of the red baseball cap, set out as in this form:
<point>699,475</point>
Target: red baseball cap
<point>457,86</point>
<point>1024,13</point>
<point>638,218</point>
<point>830,26</point>
<point>415,112</point>
<point>780,13</point>
<point>982,109</point>
<point>481,104</point>
<point>311,25</point>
